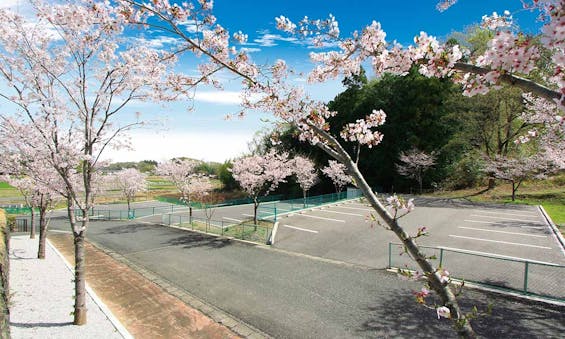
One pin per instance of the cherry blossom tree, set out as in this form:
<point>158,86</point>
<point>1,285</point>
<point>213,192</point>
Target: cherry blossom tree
<point>258,175</point>
<point>69,72</point>
<point>414,163</point>
<point>306,174</point>
<point>517,169</point>
<point>130,181</point>
<point>201,188</point>
<point>181,173</point>
<point>28,171</point>
<point>336,171</point>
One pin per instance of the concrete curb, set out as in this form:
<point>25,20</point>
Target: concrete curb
<point>271,240</point>
<point>219,316</point>
<point>554,228</point>
<point>117,324</point>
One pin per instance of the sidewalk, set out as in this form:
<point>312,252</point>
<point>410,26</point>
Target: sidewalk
<point>142,307</point>
<point>41,297</point>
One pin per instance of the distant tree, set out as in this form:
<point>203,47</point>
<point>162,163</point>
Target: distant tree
<point>336,171</point>
<point>516,170</point>
<point>414,163</point>
<point>201,188</point>
<point>180,173</point>
<point>258,175</point>
<point>130,181</point>
<point>226,177</point>
<point>146,166</point>
<point>306,174</point>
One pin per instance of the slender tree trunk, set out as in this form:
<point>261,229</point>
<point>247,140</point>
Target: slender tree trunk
<point>514,188</point>
<point>255,207</point>
<point>491,183</point>
<point>32,227</point>
<point>304,195</point>
<point>80,280</point>
<point>42,233</point>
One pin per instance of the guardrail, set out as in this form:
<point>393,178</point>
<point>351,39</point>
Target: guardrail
<point>243,231</point>
<point>528,277</point>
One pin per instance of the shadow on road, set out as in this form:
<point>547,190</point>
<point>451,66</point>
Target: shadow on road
<point>193,239</point>
<point>128,228</point>
<point>401,316</point>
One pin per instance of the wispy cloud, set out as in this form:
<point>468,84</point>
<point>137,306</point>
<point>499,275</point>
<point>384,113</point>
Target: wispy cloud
<point>157,42</point>
<point>267,39</point>
<point>13,4</point>
<point>189,25</point>
<point>250,49</point>
<point>221,97</point>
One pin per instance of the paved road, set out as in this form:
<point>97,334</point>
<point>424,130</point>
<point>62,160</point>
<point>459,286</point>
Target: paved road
<point>294,296</point>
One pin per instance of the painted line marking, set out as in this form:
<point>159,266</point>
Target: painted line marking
<point>232,219</point>
<point>344,213</point>
<point>504,232</point>
<point>322,218</point>
<point>495,222</point>
<point>356,208</point>
<point>522,214</point>
<point>503,218</point>
<point>301,229</point>
<point>500,242</point>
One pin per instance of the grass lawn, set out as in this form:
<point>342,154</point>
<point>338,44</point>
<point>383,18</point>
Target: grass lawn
<point>245,231</point>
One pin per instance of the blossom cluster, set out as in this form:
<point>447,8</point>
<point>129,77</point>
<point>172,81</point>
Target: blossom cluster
<point>360,131</point>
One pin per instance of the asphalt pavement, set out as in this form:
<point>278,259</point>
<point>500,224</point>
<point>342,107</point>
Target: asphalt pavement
<point>289,295</point>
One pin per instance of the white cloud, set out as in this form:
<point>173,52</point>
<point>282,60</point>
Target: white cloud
<point>189,25</point>
<point>207,146</point>
<point>13,4</point>
<point>250,49</point>
<point>220,97</point>
<point>269,40</point>
<point>158,42</point>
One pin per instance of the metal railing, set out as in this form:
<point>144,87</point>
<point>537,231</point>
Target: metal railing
<point>271,210</point>
<point>243,231</point>
<point>529,277</point>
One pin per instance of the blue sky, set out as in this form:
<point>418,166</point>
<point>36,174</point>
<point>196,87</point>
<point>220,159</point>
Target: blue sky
<point>203,133</point>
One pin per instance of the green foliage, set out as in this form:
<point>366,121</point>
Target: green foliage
<point>210,168</point>
<point>466,172</point>
<point>4,278</point>
<point>4,185</point>
<point>225,176</point>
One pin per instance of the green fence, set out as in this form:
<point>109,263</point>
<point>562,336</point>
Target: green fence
<point>528,277</point>
<point>223,203</point>
<point>244,231</point>
<point>115,214</point>
<point>267,211</point>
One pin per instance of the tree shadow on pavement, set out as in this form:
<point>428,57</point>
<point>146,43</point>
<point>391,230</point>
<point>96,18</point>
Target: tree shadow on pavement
<point>401,316</point>
<point>194,239</point>
<point>128,228</point>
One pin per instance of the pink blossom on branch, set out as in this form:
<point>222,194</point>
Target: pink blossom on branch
<point>305,172</point>
<point>130,181</point>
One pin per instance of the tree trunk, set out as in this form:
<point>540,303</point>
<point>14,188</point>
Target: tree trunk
<point>255,207</point>
<point>80,280</point>
<point>491,183</point>
<point>304,195</point>
<point>32,227</point>
<point>42,233</point>
<point>514,188</point>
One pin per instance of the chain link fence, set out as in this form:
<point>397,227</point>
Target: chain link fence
<point>529,277</point>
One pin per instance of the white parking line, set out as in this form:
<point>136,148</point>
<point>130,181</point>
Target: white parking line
<point>355,208</point>
<point>504,232</point>
<point>496,222</point>
<point>322,218</point>
<point>344,213</point>
<point>521,214</point>
<point>232,219</point>
<point>300,229</point>
<point>491,216</point>
<point>500,242</point>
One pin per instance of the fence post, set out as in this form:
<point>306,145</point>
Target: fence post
<point>275,213</point>
<point>441,257</point>
<point>242,231</point>
<point>526,277</point>
<point>389,255</point>
<point>222,227</point>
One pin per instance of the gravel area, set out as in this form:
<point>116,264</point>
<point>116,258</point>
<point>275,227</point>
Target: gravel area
<point>42,297</point>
